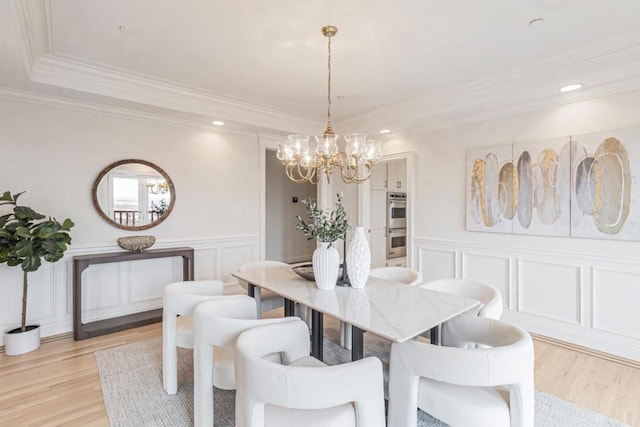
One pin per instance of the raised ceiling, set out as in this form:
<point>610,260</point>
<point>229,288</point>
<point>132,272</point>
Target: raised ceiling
<point>263,63</point>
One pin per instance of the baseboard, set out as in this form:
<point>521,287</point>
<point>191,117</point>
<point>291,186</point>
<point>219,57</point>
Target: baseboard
<point>588,351</point>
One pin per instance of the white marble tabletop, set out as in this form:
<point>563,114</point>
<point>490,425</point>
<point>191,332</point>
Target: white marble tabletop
<point>392,310</point>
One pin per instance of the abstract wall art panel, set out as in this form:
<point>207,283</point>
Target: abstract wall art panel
<point>580,186</point>
<point>490,189</point>
<point>544,188</point>
<point>605,187</point>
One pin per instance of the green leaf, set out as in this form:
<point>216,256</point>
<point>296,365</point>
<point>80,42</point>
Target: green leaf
<point>5,234</point>
<point>12,262</point>
<point>23,212</point>
<point>4,255</point>
<point>12,226</point>
<point>53,257</point>
<point>44,233</point>
<point>31,263</point>
<point>4,219</point>
<point>50,246</point>
<point>23,232</point>
<point>67,224</point>
<point>24,248</point>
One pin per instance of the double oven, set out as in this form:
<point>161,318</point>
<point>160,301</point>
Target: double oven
<point>396,225</point>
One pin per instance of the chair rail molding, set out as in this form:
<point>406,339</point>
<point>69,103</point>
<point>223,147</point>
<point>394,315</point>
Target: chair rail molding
<point>112,290</point>
<point>582,298</point>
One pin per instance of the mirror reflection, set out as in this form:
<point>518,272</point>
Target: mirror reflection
<point>133,194</point>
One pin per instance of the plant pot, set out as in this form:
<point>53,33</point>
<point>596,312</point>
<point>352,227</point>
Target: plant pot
<point>16,342</point>
<point>326,265</point>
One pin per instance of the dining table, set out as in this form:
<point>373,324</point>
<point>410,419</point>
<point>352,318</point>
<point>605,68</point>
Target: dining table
<point>392,310</point>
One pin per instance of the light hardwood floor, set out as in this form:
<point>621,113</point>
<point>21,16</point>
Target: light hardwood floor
<point>59,383</point>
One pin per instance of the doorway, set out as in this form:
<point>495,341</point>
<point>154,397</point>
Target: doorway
<point>283,202</point>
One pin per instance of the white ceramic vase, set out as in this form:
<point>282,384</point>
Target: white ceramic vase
<point>326,266</point>
<point>359,259</point>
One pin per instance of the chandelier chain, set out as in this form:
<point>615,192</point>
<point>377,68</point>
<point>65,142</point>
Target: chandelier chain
<point>329,85</point>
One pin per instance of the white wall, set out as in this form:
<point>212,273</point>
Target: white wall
<point>55,154</point>
<point>580,290</point>
<point>283,241</point>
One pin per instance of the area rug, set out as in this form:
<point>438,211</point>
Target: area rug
<point>131,377</point>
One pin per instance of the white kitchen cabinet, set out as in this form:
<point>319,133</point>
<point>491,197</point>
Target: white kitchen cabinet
<point>378,243</point>
<point>379,176</point>
<point>378,227</point>
<point>397,175</point>
<point>397,262</point>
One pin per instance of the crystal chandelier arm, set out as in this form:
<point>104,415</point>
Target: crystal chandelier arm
<point>309,176</point>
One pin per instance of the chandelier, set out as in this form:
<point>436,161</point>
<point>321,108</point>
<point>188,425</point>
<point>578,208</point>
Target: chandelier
<point>155,186</point>
<point>355,163</point>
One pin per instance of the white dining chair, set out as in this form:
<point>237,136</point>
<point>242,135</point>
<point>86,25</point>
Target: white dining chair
<point>489,296</point>
<point>178,301</point>
<point>302,391</point>
<point>489,386</point>
<point>217,324</point>
<point>405,275</point>
<point>397,274</point>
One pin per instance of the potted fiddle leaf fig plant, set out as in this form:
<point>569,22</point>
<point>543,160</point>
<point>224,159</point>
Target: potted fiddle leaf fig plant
<point>26,238</point>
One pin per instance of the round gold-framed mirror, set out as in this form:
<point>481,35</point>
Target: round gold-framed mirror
<point>133,194</point>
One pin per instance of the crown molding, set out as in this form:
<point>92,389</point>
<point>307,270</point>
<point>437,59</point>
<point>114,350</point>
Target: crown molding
<point>11,94</point>
<point>46,66</point>
<point>608,66</point>
<point>73,73</point>
<point>34,19</point>
<point>443,121</point>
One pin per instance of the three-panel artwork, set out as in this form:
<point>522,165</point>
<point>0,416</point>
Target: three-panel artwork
<point>579,186</point>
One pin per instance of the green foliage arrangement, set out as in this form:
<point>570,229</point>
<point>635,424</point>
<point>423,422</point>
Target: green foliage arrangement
<point>27,237</point>
<point>159,208</point>
<point>325,226</point>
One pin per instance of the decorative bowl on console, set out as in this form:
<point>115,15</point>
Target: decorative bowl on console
<point>136,243</point>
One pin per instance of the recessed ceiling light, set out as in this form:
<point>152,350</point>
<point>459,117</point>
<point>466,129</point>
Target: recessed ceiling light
<point>385,131</point>
<point>571,87</point>
<point>217,123</point>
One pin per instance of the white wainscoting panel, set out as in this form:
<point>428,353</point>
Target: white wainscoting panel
<point>549,290</point>
<point>11,290</point>
<point>436,264</point>
<point>615,297</point>
<point>41,293</point>
<point>101,287</point>
<point>490,269</point>
<point>148,278</point>
<point>205,264</point>
<point>111,290</point>
<point>584,299</point>
<point>232,257</point>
